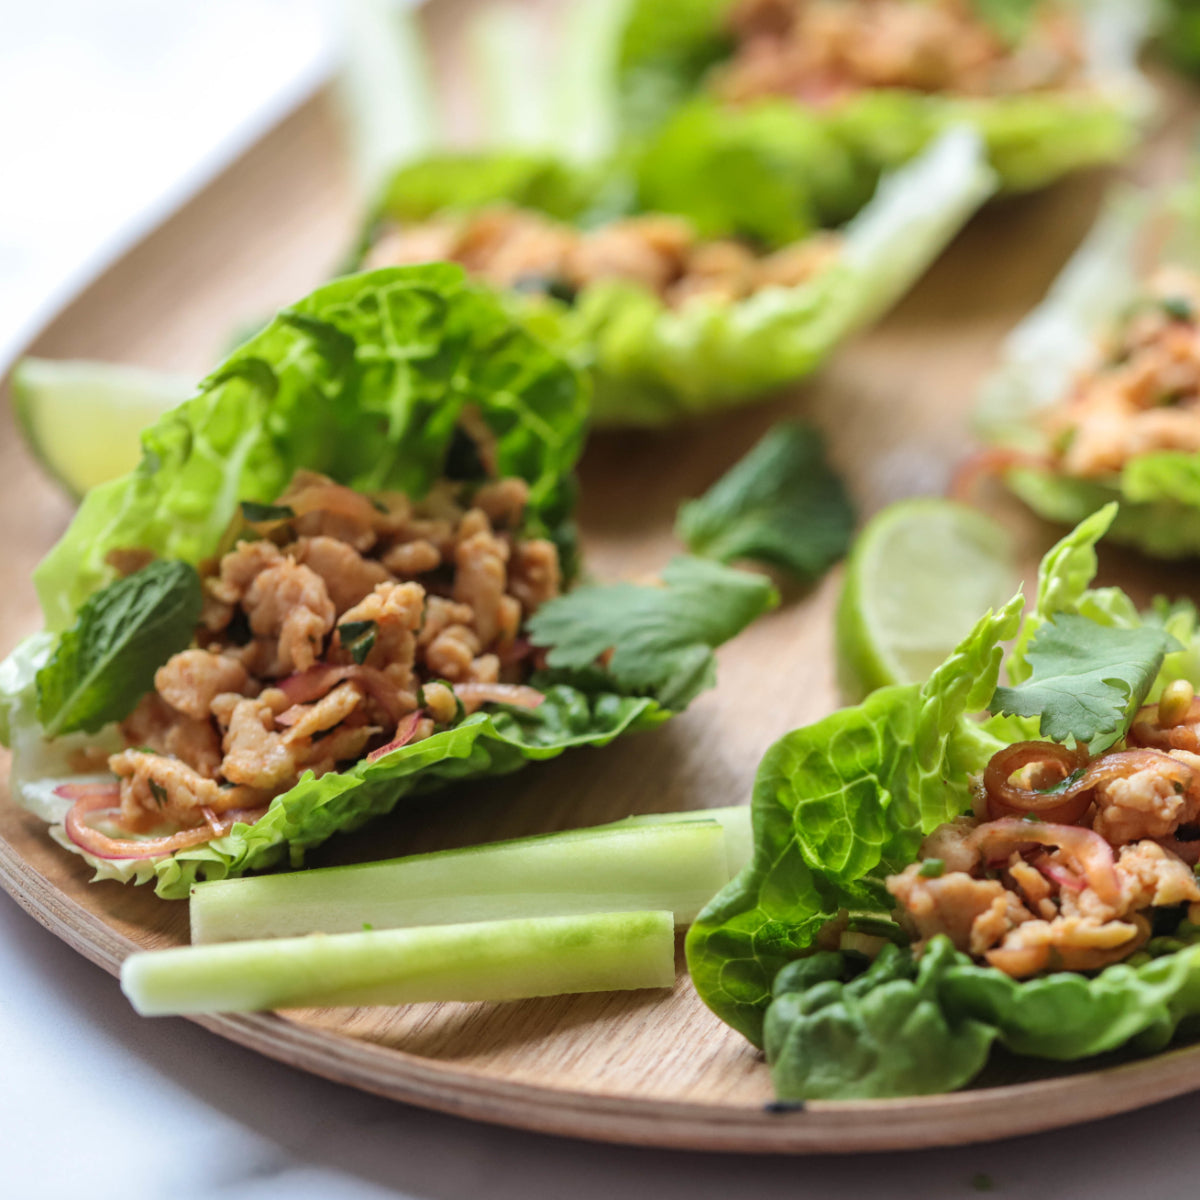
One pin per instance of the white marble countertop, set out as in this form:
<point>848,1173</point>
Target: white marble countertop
<point>110,111</point>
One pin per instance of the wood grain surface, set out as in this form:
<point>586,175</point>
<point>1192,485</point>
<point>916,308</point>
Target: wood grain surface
<point>646,1067</point>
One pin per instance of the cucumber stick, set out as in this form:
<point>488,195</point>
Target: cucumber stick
<point>629,866</point>
<point>495,960</point>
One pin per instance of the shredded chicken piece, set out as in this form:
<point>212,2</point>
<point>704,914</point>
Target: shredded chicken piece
<point>157,788</point>
<point>255,754</point>
<point>271,691</point>
<point>1148,804</point>
<point>347,576</point>
<point>953,903</point>
<point>154,724</point>
<point>396,609</point>
<point>409,559</point>
<point>529,251</point>
<point>482,577</point>
<point>503,501</point>
<point>192,679</point>
<point>821,50</point>
<point>289,601</point>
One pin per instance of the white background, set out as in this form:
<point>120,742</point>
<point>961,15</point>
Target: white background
<point>110,111</point>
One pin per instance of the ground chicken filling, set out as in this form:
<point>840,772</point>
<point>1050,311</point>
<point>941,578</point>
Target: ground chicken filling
<point>526,251</point>
<point>335,627</point>
<point>819,51</point>
<point>1144,394</point>
<point>1074,878</point>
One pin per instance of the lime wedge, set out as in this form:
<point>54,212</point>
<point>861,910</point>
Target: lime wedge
<point>81,420</point>
<point>920,575</point>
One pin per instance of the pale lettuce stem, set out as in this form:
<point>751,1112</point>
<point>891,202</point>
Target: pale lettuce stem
<point>496,960</point>
<point>384,90</point>
<point>632,865</point>
<point>509,52</point>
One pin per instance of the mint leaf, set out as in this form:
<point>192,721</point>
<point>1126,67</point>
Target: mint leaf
<point>661,638</point>
<point>782,504</point>
<point>105,662</point>
<point>1087,680</point>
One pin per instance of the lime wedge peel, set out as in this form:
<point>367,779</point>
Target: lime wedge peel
<point>920,575</point>
<point>82,420</point>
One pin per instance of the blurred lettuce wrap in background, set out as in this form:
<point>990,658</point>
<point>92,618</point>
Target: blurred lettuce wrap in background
<point>728,64</point>
<point>404,384</point>
<point>804,953</point>
<point>1096,396</point>
<point>705,339</point>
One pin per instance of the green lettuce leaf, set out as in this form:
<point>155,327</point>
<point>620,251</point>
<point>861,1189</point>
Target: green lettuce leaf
<point>771,174</point>
<point>836,807</point>
<point>364,380</point>
<point>661,639</point>
<point>908,1027</point>
<point>654,364</point>
<point>497,742</point>
<point>668,48</point>
<point>884,1033</point>
<point>782,504</point>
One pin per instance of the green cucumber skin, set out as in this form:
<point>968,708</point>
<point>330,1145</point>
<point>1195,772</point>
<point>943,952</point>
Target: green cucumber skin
<point>629,866</point>
<point>497,960</point>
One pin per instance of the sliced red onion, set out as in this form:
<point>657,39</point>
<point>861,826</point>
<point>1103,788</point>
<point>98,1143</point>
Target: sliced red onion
<point>405,733</point>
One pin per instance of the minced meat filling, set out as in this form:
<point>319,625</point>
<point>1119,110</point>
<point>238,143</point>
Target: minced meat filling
<point>338,626</point>
<point>1144,395</point>
<point>818,51</point>
<point>517,248</point>
<point>1075,889</point>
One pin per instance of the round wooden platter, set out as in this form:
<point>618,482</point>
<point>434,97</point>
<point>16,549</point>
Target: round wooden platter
<point>651,1068</point>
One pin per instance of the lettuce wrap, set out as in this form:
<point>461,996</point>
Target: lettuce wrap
<point>653,363</point>
<point>842,804</point>
<point>394,383</point>
<point>1108,281</point>
<point>670,48</point>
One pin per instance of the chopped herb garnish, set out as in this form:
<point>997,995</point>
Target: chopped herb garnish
<point>256,514</point>
<point>547,285</point>
<point>158,792</point>
<point>358,637</point>
<point>932,868</point>
<point>1178,308</point>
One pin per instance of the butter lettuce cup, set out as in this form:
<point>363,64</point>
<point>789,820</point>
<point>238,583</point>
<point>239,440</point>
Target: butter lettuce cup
<point>1097,396</point>
<point>1052,86</point>
<point>690,306</point>
<point>962,864</point>
<point>340,576</point>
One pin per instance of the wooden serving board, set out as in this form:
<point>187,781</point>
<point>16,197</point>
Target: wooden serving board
<point>649,1067</point>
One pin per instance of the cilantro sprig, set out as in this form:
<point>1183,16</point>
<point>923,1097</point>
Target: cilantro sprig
<point>1087,680</point>
<point>656,640</point>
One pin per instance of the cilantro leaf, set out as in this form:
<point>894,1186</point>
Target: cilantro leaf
<point>105,663</point>
<point>1087,679</point>
<point>661,638</point>
<point>782,504</point>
